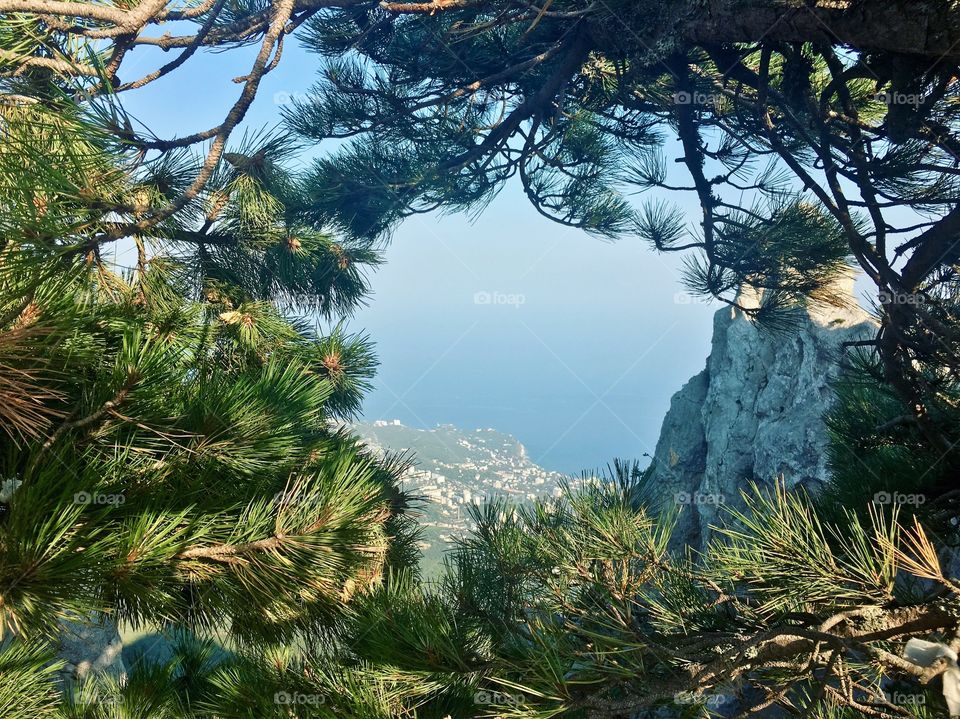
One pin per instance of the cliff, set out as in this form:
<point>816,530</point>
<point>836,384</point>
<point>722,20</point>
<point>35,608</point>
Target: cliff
<point>754,413</point>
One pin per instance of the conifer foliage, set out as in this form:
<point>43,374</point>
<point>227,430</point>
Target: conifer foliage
<point>170,453</point>
<point>808,150</point>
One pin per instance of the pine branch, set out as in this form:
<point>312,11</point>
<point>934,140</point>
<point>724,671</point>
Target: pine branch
<point>133,377</point>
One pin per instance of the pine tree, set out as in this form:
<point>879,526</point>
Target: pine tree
<point>576,607</point>
<point>806,156</point>
<point>172,457</point>
<point>447,100</point>
<point>806,153</point>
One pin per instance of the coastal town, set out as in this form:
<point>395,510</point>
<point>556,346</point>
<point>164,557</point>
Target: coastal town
<point>455,468</point>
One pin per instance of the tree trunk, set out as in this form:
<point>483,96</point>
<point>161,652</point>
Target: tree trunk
<point>928,29</point>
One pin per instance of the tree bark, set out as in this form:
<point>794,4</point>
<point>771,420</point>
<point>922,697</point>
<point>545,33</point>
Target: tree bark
<point>928,29</point>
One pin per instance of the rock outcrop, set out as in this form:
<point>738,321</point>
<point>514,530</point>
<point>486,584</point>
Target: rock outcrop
<point>90,646</point>
<point>755,413</point>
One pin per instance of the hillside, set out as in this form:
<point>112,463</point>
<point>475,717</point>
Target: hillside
<point>456,467</point>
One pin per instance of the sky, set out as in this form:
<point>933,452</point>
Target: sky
<point>571,344</point>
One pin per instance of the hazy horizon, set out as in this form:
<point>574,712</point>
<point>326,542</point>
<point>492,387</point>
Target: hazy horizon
<point>580,372</point>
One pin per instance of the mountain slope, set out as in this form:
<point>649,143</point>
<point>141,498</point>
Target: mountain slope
<point>455,467</point>
<point>755,413</point>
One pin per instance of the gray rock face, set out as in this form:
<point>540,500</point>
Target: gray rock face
<point>754,414</point>
<point>92,646</point>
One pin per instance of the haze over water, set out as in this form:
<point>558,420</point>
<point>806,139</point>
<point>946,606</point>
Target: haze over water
<point>571,344</point>
<point>580,370</point>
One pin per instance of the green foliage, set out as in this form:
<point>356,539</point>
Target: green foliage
<point>201,450</point>
<point>347,363</point>
<point>878,456</point>
<point>169,456</point>
<point>28,689</point>
<point>791,559</point>
<point>576,605</point>
<point>806,157</point>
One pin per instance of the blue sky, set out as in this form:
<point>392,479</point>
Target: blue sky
<point>573,345</point>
